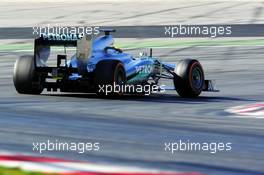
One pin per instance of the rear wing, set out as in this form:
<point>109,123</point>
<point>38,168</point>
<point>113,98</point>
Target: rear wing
<point>44,42</point>
<point>58,40</point>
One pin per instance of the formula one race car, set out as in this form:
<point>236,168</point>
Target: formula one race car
<point>96,66</point>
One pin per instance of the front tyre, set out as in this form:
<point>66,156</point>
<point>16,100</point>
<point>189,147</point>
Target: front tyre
<point>25,78</point>
<point>189,79</point>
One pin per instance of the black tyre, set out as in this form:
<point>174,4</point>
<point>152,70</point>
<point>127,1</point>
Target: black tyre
<point>109,73</point>
<point>189,81</point>
<point>25,79</point>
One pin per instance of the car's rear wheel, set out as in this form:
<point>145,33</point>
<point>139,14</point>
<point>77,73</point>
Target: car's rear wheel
<point>189,79</point>
<point>25,78</point>
<point>110,75</point>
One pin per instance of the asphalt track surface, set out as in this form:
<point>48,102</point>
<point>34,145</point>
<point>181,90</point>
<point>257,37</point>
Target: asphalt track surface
<point>132,130</point>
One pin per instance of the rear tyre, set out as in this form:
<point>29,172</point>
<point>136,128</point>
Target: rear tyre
<point>25,78</point>
<point>110,75</point>
<point>189,80</point>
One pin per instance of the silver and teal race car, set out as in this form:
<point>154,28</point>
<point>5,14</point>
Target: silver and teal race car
<point>97,66</point>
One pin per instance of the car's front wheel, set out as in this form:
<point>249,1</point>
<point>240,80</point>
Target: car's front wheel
<point>189,79</point>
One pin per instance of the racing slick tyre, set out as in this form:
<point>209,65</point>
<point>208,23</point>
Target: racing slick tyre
<point>25,79</point>
<point>110,76</point>
<point>189,79</point>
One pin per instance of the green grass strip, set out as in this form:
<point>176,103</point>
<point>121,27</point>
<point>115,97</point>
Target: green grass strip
<point>17,171</point>
<point>162,43</point>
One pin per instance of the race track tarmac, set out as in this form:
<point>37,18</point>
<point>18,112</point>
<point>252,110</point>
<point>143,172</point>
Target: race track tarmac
<point>132,130</point>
